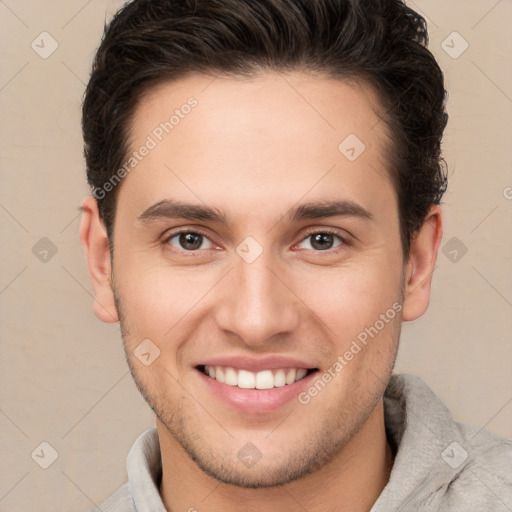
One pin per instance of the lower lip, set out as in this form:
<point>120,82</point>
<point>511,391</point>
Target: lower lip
<point>256,400</point>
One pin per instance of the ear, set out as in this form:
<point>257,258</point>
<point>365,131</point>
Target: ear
<point>93,237</point>
<point>420,266</point>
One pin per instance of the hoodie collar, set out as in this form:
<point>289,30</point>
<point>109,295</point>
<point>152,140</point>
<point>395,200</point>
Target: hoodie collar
<point>422,432</point>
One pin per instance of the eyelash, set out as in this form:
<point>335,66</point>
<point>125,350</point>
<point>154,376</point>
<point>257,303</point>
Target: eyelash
<point>344,241</point>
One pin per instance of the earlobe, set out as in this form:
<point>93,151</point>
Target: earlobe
<point>94,239</point>
<point>420,265</point>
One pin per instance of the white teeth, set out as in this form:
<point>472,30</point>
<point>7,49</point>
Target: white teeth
<point>246,380</point>
<point>219,374</point>
<point>279,379</point>
<point>290,376</point>
<point>300,374</point>
<point>230,376</point>
<point>265,379</point>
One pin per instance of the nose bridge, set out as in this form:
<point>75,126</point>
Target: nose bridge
<point>257,305</point>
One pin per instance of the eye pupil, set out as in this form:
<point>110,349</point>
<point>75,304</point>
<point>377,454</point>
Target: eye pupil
<point>191,241</point>
<point>322,241</point>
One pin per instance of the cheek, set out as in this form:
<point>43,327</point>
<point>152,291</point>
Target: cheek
<point>154,297</point>
<point>361,308</point>
<point>350,298</point>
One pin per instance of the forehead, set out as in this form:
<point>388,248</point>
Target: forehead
<point>298,103</point>
<point>273,133</point>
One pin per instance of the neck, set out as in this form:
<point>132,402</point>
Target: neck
<point>355,477</point>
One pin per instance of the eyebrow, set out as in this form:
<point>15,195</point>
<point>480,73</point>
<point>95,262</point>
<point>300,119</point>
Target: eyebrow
<point>171,208</point>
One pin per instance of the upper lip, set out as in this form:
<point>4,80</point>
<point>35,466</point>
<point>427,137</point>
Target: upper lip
<point>256,364</point>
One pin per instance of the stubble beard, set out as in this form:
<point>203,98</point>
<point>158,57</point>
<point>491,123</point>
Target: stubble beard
<point>314,451</point>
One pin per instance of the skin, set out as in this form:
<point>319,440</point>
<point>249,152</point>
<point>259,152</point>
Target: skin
<point>256,148</point>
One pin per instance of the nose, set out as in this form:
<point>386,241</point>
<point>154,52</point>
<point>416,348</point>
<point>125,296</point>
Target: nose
<point>258,304</point>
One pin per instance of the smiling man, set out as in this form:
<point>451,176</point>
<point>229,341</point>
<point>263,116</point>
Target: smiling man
<point>266,179</point>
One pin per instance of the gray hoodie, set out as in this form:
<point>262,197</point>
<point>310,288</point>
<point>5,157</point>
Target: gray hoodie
<point>440,464</point>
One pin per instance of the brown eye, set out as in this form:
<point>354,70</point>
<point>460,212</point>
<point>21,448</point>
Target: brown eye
<point>323,241</point>
<point>188,240</point>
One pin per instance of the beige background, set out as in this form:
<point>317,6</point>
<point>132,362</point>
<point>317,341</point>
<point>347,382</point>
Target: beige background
<point>63,377</point>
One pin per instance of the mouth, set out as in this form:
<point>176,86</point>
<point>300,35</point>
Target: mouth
<point>255,386</point>
<point>262,380</point>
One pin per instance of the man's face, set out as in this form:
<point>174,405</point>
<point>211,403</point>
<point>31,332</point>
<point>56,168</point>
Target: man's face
<point>265,289</point>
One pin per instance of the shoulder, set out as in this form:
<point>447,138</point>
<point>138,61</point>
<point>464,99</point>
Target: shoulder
<point>482,463</point>
<point>120,501</point>
<point>442,464</point>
